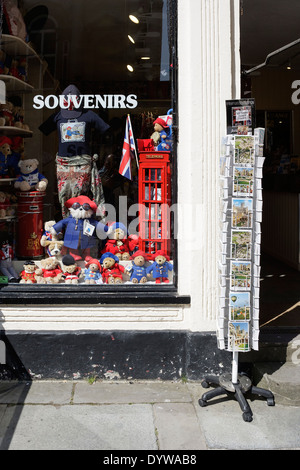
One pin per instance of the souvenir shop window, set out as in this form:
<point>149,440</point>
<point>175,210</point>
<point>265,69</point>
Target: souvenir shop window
<point>87,146</point>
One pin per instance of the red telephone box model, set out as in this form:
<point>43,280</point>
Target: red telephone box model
<point>154,201</point>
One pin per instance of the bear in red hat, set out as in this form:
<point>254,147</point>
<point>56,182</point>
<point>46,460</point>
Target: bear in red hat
<point>161,134</point>
<point>81,229</point>
<point>160,267</point>
<point>137,270</point>
<point>8,159</point>
<point>92,271</point>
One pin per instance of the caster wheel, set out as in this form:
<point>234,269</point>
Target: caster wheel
<point>202,402</point>
<point>205,384</point>
<point>247,417</point>
<point>270,402</point>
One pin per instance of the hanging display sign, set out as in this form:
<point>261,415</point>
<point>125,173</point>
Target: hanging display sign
<point>240,237</point>
<point>240,116</point>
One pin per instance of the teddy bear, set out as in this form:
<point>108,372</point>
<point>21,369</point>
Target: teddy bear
<point>30,179</point>
<point>8,159</point>
<point>11,207</point>
<point>160,267</point>
<point>18,114</point>
<point>71,272</point>
<point>81,229</point>
<point>28,273</point>
<point>49,272</point>
<point>137,270</point>
<point>4,204</point>
<point>92,271</point>
<point>6,257</point>
<point>120,243</point>
<point>47,235</point>
<point>161,135</point>
<point>111,270</point>
<point>5,152</point>
<point>6,111</point>
<point>52,243</point>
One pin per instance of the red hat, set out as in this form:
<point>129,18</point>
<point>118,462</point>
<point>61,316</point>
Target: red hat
<point>89,260</point>
<point>81,200</point>
<point>139,253</point>
<point>161,122</point>
<point>161,253</point>
<point>5,140</point>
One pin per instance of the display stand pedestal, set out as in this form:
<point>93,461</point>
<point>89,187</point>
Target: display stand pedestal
<point>236,385</point>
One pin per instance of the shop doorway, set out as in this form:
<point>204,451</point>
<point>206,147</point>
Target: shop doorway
<point>271,85</point>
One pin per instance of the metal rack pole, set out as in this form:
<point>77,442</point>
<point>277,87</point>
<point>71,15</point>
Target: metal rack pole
<point>235,363</point>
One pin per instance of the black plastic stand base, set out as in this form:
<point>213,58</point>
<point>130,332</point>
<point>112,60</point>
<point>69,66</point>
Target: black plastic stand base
<point>225,386</point>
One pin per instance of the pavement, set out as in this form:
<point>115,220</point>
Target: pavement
<point>149,416</point>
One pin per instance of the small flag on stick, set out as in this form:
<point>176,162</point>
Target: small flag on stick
<point>129,151</point>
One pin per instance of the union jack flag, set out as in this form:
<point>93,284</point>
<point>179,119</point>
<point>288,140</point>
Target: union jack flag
<point>128,151</point>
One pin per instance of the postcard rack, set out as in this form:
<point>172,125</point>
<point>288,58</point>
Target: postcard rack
<point>241,165</point>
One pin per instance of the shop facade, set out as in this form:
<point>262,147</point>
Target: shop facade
<point>150,330</point>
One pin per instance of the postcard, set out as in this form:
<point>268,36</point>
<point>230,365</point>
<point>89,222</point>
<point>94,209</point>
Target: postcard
<point>242,213</point>
<point>243,181</point>
<point>244,150</point>
<point>241,244</point>
<point>239,306</point>
<point>238,336</point>
<point>240,275</point>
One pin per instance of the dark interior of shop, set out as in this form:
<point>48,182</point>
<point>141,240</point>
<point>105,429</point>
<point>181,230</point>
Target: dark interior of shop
<point>270,59</point>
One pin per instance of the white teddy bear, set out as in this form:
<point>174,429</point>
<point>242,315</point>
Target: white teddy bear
<point>30,178</point>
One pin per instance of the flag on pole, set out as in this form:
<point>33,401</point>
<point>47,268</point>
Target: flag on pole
<point>129,151</point>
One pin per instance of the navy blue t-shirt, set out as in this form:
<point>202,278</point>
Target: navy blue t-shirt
<point>74,134</point>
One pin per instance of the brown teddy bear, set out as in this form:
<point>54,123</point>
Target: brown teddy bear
<point>92,271</point>
<point>160,267</point>
<point>30,178</point>
<point>120,243</point>
<point>49,272</point>
<point>137,270</point>
<point>6,111</point>
<point>71,272</point>
<point>4,203</point>
<point>111,270</point>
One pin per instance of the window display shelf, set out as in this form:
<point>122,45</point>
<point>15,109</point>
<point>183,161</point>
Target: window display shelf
<point>7,180</point>
<point>15,131</point>
<point>9,218</point>
<point>15,46</point>
<point>15,84</point>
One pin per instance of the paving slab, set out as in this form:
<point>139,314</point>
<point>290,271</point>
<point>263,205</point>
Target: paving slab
<point>273,427</point>
<point>177,427</point>
<point>36,392</point>
<point>141,392</point>
<point>78,427</point>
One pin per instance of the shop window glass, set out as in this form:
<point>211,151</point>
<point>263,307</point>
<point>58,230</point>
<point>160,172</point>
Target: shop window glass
<point>87,148</point>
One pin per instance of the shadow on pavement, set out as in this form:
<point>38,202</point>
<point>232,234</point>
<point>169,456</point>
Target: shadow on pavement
<point>15,382</point>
